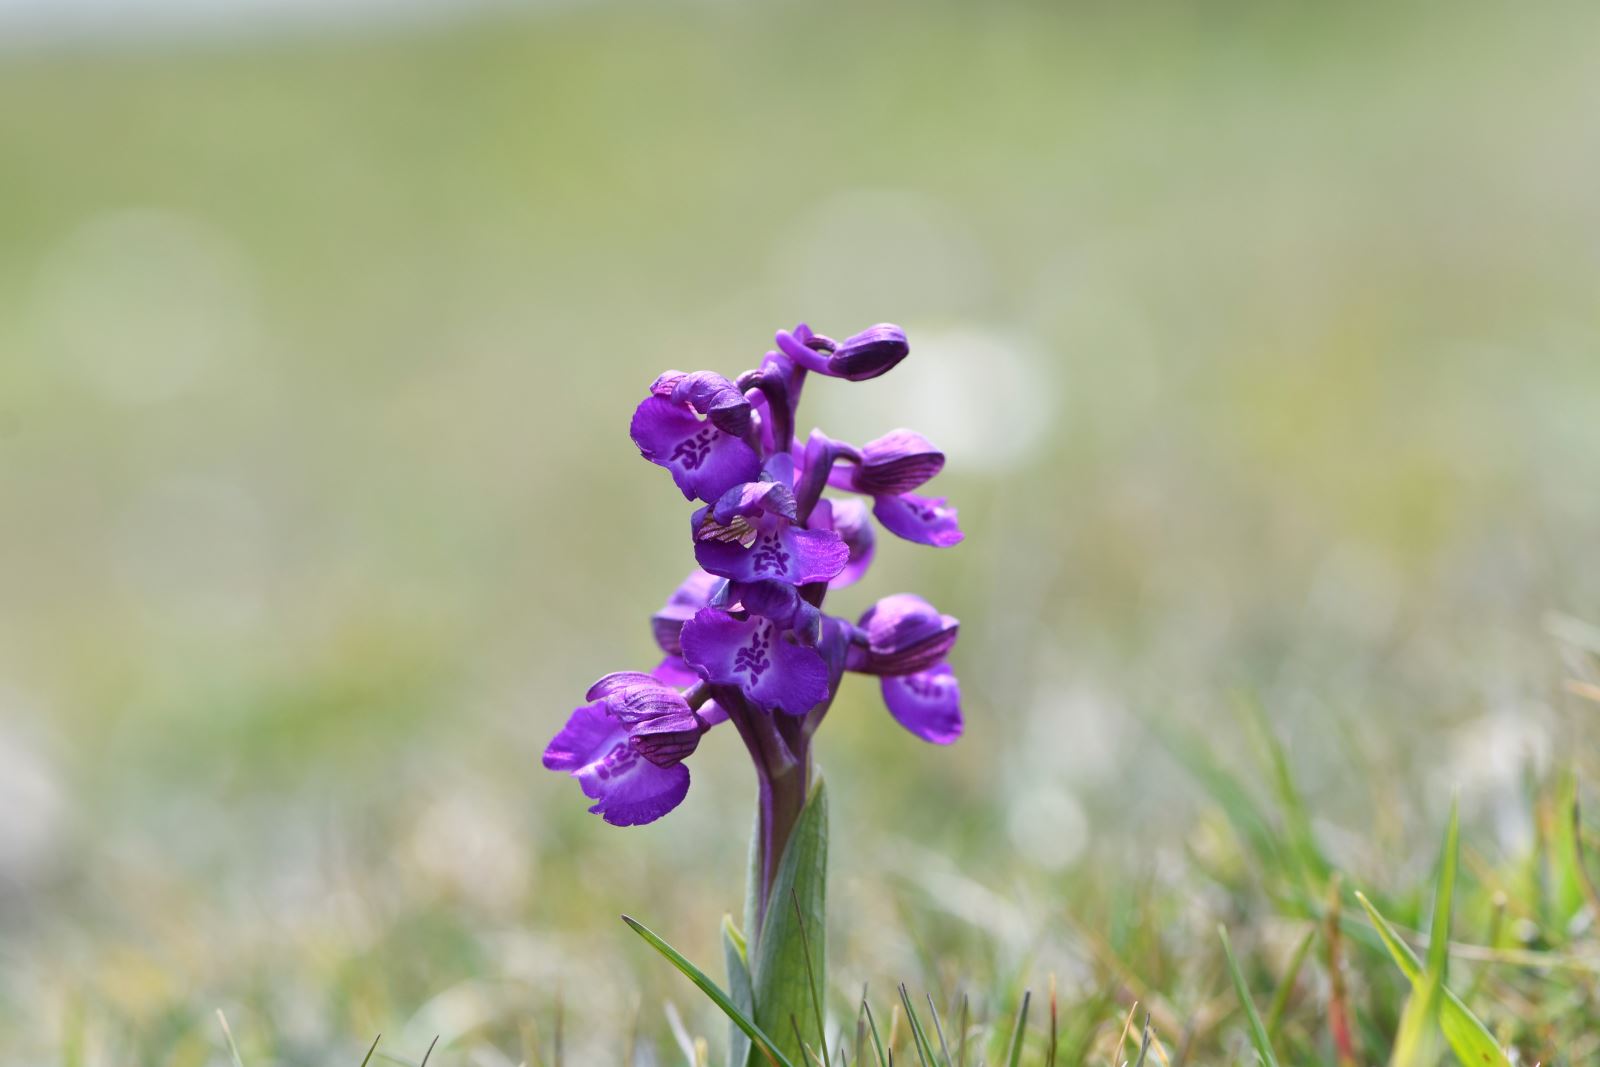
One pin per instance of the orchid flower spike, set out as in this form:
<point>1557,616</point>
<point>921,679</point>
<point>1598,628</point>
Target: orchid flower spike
<point>744,637</point>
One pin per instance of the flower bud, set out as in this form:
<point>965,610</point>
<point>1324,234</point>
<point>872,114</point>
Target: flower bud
<point>871,352</point>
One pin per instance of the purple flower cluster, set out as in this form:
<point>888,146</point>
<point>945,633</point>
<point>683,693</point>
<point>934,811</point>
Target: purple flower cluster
<point>744,636</point>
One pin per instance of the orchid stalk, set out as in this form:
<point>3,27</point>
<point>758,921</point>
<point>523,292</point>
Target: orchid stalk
<point>745,639</point>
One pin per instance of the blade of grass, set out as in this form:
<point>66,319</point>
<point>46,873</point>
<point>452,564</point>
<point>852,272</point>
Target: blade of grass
<point>1050,1052</point>
<point>919,1040</point>
<point>1144,1043</point>
<point>877,1042</point>
<point>938,1028</point>
<point>1258,1030</point>
<point>961,1039</point>
<point>370,1050</point>
<point>1302,841</point>
<point>1344,1045</point>
<point>711,990</point>
<point>1468,1037</point>
<point>1416,1043</point>
<point>1122,1041</point>
<point>1015,1056</point>
<point>1280,999</point>
<point>233,1049</point>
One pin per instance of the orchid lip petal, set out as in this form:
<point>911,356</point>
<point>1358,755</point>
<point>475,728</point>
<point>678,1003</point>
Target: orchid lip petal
<point>751,653</point>
<point>923,520</point>
<point>704,461</point>
<point>927,703</point>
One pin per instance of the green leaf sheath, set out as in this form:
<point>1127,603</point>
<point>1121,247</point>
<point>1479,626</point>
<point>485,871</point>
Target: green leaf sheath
<point>783,993</point>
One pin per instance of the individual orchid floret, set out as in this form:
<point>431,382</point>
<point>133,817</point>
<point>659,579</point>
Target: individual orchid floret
<point>886,469</point>
<point>865,355</point>
<point>706,456</point>
<point>895,463</point>
<point>752,533</point>
<point>758,656</point>
<point>902,634</point>
<point>626,747</point>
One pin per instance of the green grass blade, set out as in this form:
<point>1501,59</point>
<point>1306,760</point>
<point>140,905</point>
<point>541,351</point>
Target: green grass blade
<point>938,1028</point>
<point>872,1024</point>
<point>1416,1044</point>
<point>919,1037</point>
<point>1443,900</point>
<point>1280,999</point>
<point>1015,1056</point>
<point>1144,1043</point>
<point>739,990</point>
<point>1302,840</point>
<point>1258,1029</point>
<point>227,1032</point>
<point>1466,1034</point>
<point>370,1050</point>
<point>757,1037</point>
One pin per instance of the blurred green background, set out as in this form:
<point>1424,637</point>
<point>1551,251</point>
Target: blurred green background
<point>1265,344</point>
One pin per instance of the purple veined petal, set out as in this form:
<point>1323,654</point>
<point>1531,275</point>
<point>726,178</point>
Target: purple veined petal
<point>649,703</point>
<point>927,703</point>
<point>905,634</point>
<point>588,734</point>
<point>780,551</point>
<point>752,654</point>
<point>629,790</point>
<point>897,462</point>
<point>754,498</point>
<point>668,740</point>
<point>925,520</point>
<point>615,681</point>
<point>848,519</point>
<point>673,670</point>
<point>703,461</point>
<point>694,593</point>
<point>715,397</point>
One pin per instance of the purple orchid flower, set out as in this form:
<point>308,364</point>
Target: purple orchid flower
<point>706,456</point>
<point>744,637</point>
<point>753,533</point>
<point>626,747</point>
